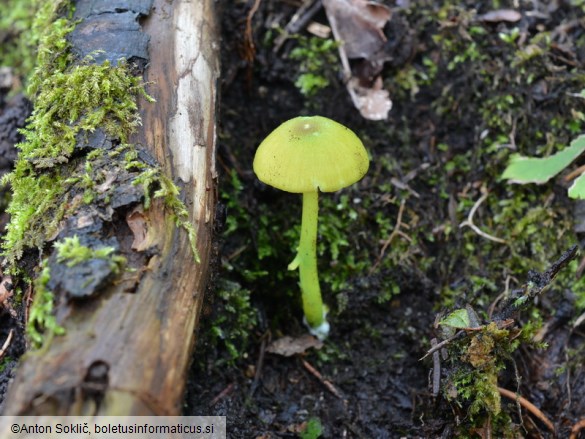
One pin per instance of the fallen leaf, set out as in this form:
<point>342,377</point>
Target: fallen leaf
<point>373,103</point>
<point>138,224</point>
<point>508,15</point>
<point>5,289</point>
<point>457,319</point>
<point>289,346</point>
<point>525,170</point>
<point>359,24</point>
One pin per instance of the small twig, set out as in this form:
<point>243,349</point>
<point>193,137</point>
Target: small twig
<point>528,406</point>
<point>469,222</point>
<point>225,392</point>
<point>436,369</point>
<point>6,343</point>
<point>342,54</point>
<point>535,285</point>
<point>575,173</point>
<point>487,428</point>
<point>505,294</point>
<point>27,302</point>
<point>568,379</point>
<point>577,428</point>
<point>259,363</point>
<point>325,382</point>
<point>298,21</point>
<point>518,379</point>
<point>396,231</point>
<point>249,46</point>
<point>442,344</point>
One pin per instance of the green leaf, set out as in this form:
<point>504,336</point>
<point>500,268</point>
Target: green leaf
<point>539,170</point>
<point>577,189</point>
<point>313,430</point>
<point>457,319</point>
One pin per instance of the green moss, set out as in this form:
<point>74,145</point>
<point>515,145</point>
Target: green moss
<point>476,363</point>
<point>23,23</point>
<point>71,101</point>
<point>316,58</point>
<point>71,252</point>
<point>313,429</point>
<point>233,324</point>
<point>151,178</point>
<point>89,96</point>
<point>42,324</point>
<point>475,381</point>
<point>5,362</point>
<point>483,93</point>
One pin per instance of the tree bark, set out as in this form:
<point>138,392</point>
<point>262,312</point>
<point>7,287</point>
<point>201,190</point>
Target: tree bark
<point>127,351</point>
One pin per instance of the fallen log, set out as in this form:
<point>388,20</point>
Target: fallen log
<point>128,338</point>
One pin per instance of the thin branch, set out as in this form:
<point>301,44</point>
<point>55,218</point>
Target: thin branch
<point>577,428</point>
<point>6,343</point>
<point>469,222</point>
<point>436,369</point>
<point>265,339</point>
<point>325,382</point>
<point>535,284</point>
<point>225,392</point>
<point>298,21</point>
<point>504,294</point>
<point>396,231</point>
<point>575,173</point>
<point>528,406</point>
<point>442,344</point>
<point>249,46</point>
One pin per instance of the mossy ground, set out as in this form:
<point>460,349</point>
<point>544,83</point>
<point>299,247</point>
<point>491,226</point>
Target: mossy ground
<point>395,249</point>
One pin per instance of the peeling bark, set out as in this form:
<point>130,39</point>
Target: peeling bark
<point>127,349</point>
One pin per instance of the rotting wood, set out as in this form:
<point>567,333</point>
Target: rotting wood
<point>127,351</point>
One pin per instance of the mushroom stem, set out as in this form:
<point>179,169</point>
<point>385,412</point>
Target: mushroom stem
<point>306,262</point>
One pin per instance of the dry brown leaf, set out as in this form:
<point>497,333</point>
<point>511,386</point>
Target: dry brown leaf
<point>289,346</point>
<point>359,25</point>
<point>5,289</point>
<point>508,15</point>
<point>138,224</point>
<point>373,103</point>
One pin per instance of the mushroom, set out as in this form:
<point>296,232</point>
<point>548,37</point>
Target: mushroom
<point>307,155</point>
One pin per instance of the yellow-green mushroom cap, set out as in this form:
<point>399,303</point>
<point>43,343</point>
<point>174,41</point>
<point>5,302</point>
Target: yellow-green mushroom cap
<point>306,154</point>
